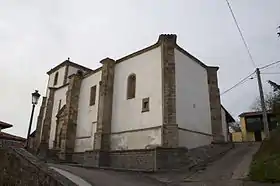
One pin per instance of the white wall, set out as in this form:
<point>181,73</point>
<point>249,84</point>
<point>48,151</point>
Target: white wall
<point>192,97</point>
<point>127,114</point>
<point>61,73</point>
<point>87,115</point>
<point>72,70</point>
<point>224,124</point>
<point>193,140</point>
<point>136,140</point>
<point>59,94</point>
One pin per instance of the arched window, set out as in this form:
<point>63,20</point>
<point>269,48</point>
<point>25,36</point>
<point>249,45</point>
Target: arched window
<point>55,78</point>
<point>131,86</point>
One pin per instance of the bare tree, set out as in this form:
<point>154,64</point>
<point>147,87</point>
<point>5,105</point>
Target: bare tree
<point>272,100</point>
<point>268,99</point>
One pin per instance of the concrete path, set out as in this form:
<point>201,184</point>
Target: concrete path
<point>99,177</point>
<point>72,177</point>
<point>230,170</point>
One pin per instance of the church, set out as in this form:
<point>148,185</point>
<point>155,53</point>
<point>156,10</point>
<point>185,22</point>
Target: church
<point>160,97</point>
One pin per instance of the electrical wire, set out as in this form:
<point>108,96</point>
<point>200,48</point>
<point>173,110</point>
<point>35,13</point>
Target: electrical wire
<point>270,73</point>
<point>240,32</point>
<point>268,65</point>
<point>239,83</point>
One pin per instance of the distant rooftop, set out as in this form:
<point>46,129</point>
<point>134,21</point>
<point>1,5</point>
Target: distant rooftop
<point>7,136</point>
<point>256,113</point>
<point>4,125</point>
<point>70,63</point>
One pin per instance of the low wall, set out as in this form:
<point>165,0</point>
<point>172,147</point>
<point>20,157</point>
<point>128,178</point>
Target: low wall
<point>10,143</point>
<point>156,159</point>
<point>133,159</point>
<point>19,167</point>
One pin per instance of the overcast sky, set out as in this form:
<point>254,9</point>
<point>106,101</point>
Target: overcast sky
<point>37,35</point>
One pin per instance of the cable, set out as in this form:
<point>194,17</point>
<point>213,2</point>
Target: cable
<point>269,64</point>
<point>270,73</point>
<point>239,83</point>
<point>242,37</point>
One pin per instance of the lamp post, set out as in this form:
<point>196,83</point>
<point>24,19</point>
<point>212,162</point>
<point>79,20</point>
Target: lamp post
<point>35,98</point>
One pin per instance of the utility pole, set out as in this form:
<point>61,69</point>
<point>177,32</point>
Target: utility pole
<point>265,122</point>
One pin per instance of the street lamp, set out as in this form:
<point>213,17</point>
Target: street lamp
<point>35,98</point>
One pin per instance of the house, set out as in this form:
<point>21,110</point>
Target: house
<point>160,96</point>
<point>252,128</point>
<point>7,139</point>
<point>227,122</point>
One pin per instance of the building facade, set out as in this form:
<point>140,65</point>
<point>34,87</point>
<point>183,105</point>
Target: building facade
<point>252,127</point>
<point>160,96</point>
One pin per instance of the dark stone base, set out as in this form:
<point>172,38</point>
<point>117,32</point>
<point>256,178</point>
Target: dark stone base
<point>158,159</point>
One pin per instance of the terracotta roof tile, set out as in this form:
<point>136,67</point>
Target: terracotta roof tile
<point>7,136</point>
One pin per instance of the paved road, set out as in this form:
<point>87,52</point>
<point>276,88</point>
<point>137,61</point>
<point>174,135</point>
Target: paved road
<point>76,179</point>
<point>228,171</point>
<point>99,177</point>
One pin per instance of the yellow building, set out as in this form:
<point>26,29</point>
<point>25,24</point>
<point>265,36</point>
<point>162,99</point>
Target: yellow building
<point>252,128</point>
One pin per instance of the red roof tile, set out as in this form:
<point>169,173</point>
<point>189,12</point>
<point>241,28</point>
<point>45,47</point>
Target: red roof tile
<point>7,136</point>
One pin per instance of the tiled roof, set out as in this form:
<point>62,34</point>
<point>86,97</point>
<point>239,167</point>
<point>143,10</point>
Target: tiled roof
<point>7,136</point>
<point>5,125</point>
<point>256,113</point>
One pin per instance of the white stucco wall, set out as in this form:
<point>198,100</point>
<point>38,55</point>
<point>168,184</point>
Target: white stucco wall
<point>224,124</point>
<point>193,140</point>
<point>72,70</point>
<point>136,140</point>
<point>127,114</point>
<point>61,73</point>
<point>60,94</point>
<point>192,97</point>
<point>87,115</point>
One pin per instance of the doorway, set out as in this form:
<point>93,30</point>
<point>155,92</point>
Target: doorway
<point>258,135</point>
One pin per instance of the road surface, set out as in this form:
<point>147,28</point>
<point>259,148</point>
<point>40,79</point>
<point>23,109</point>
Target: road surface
<point>229,170</point>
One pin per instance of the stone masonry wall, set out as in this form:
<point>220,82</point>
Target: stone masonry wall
<point>104,116</point>
<point>133,160</point>
<point>170,128</point>
<point>71,114</point>
<point>158,159</point>
<point>44,143</point>
<point>215,105</point>
<point>18,167</point>
<point>39,124</point>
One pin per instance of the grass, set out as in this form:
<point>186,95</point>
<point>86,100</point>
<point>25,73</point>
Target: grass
<point>265,166</point>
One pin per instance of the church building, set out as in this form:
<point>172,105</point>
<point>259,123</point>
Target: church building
<point>158,97</point>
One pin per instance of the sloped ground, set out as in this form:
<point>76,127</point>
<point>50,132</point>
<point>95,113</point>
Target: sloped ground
<point>229,170</point>
<point>265,166</point>
<point>99,177</point>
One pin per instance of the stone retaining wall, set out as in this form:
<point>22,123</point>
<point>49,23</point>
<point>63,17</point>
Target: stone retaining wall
<point>19,167</point>
<point>133,159</point>
<point>10,143</point>
<point>157,159</point>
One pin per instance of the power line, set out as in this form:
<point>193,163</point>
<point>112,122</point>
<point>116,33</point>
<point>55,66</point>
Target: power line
<point>268,65</point>
<point>270,73</point>
<point>240,32</point>
<point>239,83</point>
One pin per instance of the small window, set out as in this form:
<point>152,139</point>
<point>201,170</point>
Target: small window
<point>145,105</point>
<point>55,79</point>
<point>92,95</point>
<point>131,86</point>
